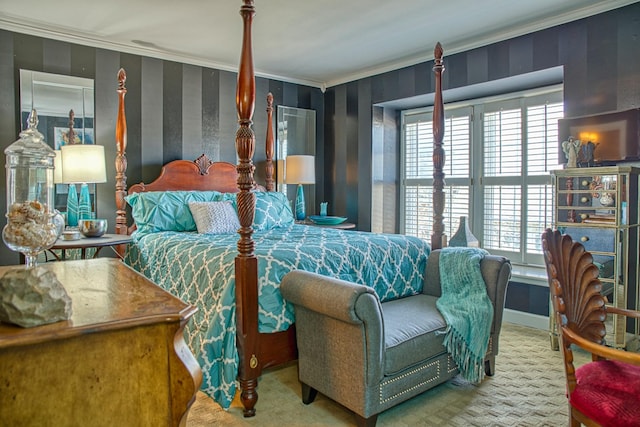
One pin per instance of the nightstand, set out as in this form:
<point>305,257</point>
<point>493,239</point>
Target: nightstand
<point>88,242</point>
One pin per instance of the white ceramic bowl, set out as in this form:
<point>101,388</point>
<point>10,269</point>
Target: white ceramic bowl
<point>92,227</point>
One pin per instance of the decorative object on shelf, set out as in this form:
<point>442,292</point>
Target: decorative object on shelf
<point>327,220</point>
<point>82,164</point>
<point>32,297</point>
<point>464,236</point>
<point>323,208</point>
<point>607,195</point>
<point>606,199</point>
<point>92,227</point>
<point>570,148</point>
<point>30,161</point>
<point>585,155</point>
<point>595,185</point>
<point>300,170</point>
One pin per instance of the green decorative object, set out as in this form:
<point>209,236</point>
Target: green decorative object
<point>464,236</point>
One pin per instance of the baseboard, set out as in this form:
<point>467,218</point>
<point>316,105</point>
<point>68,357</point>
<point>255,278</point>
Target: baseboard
<point>526,319</point>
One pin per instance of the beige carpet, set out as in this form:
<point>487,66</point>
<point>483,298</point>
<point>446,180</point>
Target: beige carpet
<point>527,390</point>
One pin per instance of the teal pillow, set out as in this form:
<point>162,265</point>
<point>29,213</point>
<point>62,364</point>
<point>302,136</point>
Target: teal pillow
<point>272,210</point>
<point>155,211</point>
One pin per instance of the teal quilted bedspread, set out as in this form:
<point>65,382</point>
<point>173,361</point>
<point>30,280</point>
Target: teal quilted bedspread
<point>199,269</point>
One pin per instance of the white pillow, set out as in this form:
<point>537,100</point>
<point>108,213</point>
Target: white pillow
<point>215,217</point>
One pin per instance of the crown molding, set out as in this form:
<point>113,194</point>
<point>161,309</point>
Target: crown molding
<point>57,33</point>
<point>19,26</point>
<point>470,44</point>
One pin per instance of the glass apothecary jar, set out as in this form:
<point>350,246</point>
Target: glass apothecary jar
<point>29,164</point>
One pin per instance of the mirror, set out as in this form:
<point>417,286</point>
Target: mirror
<point>296,136</point>
<point>54,96</point>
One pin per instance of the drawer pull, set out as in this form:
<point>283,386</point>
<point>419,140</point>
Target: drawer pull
<point>584,239</point>
<point>585,183</point>
<point>584,216</point>
<point>584,199</point>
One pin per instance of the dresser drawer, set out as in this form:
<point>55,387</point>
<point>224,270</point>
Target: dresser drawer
<point>593,239</point>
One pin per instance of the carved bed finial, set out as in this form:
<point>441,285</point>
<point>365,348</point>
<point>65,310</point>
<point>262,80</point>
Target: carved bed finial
<point>269,145</point>
<point>122,78</point>
<point>203,162</point>
<point>438,153</point>
<point>71,134</point>
<point>437,52</point>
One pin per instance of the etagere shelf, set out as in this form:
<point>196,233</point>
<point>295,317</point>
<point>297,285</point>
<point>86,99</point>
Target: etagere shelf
<point>598,207</point>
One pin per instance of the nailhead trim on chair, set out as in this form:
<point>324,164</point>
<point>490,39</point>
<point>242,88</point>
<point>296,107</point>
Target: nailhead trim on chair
<point>406,374</point>
<point>451,366</point>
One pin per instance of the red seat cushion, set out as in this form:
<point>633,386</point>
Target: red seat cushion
<point>608,392</point>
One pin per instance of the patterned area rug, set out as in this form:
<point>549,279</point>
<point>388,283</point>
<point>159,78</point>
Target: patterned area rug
<point>527,390</point>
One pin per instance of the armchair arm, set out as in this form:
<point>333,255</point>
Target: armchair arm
<point>623,311</point>
<point>326,295</point>
<point>496,272</point>
<point>340,314</point>
<point>600,350</point>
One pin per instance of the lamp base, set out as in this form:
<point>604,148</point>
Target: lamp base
<point>84,205</point>
<point>300,209</point>
<point>72,206</point>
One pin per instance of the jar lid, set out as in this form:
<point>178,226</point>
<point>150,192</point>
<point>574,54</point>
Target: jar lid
<point>31,141</point>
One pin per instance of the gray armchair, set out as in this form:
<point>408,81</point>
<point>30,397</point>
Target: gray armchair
<point>370,356</point>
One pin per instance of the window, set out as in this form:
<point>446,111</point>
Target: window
<point>498,156</point>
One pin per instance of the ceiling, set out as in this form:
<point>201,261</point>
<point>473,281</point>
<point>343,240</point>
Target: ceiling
<point>314,42</point>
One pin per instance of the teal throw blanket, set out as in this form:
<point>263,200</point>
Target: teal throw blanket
<point>466,308</point>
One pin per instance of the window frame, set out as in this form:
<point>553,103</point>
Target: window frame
<point>476,181</point>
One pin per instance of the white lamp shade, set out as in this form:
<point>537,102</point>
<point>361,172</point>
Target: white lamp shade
<point>83,163</point>
<point>57,168</point>
<point>300,170</point>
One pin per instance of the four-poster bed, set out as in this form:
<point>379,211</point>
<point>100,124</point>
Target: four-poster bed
<point>215,181</point>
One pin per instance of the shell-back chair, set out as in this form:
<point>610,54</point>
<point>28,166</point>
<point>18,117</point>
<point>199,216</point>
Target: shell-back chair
<point>605,391</point>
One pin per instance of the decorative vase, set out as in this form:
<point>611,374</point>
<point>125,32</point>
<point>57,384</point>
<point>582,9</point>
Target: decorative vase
<point>30,161</point>
<point>323,208</point>
<point>464,236</point>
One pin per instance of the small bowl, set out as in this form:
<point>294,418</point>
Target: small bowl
<point>92,227</point>
<point>70,235</point>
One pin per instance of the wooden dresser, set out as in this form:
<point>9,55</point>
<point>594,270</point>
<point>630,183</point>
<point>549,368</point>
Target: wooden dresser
<point>120,360</point>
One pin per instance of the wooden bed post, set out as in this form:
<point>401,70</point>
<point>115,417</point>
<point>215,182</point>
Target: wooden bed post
<point>269,145</point>
<point>438,153</point>
<point>246,265</point>
<point>121,162</point>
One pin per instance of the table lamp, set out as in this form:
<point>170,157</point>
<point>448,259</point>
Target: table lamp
<point>300,170</point>
<point>81,164</point>
<point>57,168</point>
